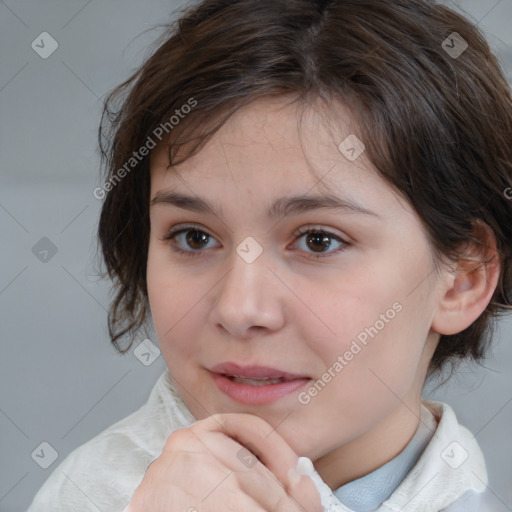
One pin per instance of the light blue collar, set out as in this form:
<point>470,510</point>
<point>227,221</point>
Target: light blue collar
<point>366,494</point>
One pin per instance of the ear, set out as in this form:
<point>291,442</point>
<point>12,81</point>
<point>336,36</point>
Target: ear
<point>470,284</point>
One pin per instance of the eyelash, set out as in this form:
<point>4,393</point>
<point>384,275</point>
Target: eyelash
<point>173,233</point>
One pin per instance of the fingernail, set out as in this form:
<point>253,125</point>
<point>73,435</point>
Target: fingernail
<point>305,466</point>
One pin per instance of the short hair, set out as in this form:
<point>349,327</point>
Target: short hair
<point>429,97</point>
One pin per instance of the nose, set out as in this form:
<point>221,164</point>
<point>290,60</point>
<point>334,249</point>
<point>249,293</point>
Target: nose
<point>249,299</point>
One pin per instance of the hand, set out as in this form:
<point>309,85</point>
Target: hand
<point>207,468</point>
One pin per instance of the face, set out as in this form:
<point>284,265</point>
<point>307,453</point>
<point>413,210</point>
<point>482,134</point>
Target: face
<point>348,307</point>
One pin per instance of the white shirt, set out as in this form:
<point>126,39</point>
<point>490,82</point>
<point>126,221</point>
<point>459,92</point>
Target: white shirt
<point>103,473</point>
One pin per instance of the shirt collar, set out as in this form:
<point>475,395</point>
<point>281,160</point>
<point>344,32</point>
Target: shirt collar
<point>367,493</point>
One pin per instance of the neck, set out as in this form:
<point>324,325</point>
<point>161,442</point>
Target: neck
<point>371,450</point>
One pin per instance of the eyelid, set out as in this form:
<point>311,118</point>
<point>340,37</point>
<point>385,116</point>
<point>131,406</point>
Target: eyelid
<point>321,229</point>
<point>186,227</point>
<point>300,231</point>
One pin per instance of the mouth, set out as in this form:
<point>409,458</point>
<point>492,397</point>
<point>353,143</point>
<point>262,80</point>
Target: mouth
<point>262,381</point>
<point>256,385</point>
<point>255,373</point>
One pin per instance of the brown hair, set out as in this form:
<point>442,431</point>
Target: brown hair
<point>437,126</point>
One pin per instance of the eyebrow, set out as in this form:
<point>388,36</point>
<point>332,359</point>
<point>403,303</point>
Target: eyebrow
<point>282,207</point>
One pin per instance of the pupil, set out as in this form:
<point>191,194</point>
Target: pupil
<point>319,239</point>
<point>194,237</point>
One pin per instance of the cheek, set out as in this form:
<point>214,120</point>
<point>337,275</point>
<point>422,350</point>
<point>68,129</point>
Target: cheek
<point>374,367</point>
<point>173,313</point>
<point>368,337</point>
<point>172,299</point>
<point>352,312</point>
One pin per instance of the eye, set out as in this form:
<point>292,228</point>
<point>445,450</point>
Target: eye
<point>189,236</point>
<point>197,239</point>
<point>317,238</point>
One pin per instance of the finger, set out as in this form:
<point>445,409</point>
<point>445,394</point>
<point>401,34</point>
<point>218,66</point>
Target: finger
<point>271,450</point>
<point>303,485</point>
<point>251,476</point>
<point>271,494</point>
<point>241,503</point>
<point>259,438</point>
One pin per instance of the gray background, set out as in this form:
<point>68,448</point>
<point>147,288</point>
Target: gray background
<point>60,379</point>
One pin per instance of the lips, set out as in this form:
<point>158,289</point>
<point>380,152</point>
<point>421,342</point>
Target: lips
<point>256,385</point>
<point>258,375</point>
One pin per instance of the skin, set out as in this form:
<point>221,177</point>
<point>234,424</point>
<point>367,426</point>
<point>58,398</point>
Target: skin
<point>199,469</point>
<point>291,309</point>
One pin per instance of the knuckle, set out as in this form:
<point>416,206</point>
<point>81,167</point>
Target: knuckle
<point>180,434</point>
<point>177,438</point>
<point>221,419</point>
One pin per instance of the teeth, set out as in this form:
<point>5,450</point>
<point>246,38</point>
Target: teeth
<point>254,378</point>
<point>260,381</point>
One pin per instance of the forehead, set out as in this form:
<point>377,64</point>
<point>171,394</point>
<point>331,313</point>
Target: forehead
<point>273,129</point>
<point>272,145</point>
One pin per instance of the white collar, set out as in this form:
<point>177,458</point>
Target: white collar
<point>451,464</point>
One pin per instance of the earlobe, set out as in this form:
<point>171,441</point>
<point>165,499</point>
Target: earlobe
<point>470,285</point>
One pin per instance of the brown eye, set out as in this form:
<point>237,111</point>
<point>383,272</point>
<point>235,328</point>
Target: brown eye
<point>188,240</point>
<point>196,239</point>
<point>318,241</point>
